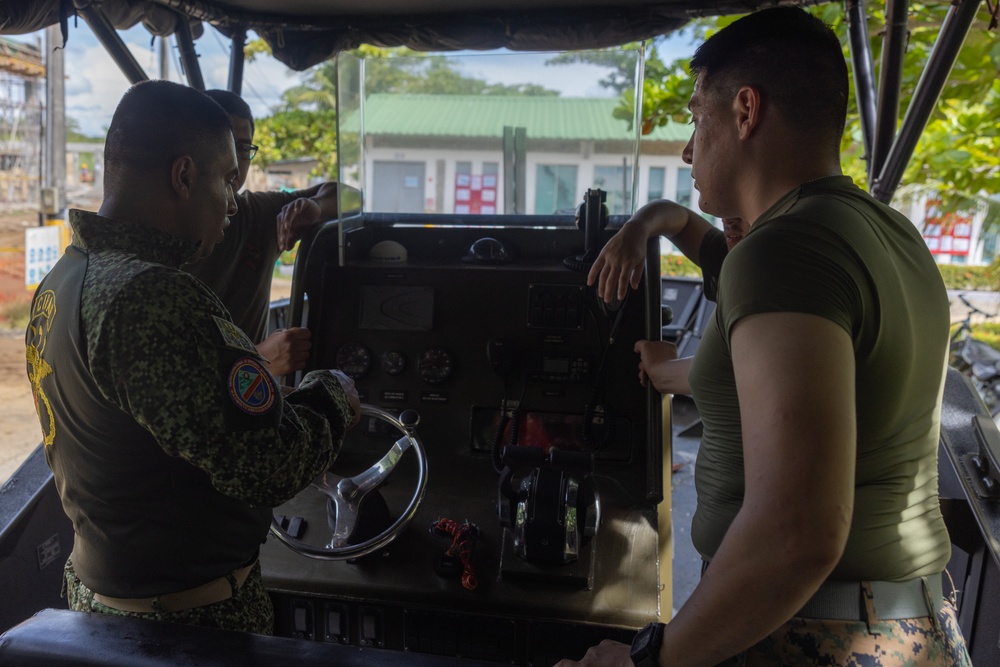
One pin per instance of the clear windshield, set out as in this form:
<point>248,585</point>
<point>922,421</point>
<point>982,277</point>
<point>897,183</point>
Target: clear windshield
<point>497,133</point>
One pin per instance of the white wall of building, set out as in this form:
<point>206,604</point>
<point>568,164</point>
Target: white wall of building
<point>585,164</point>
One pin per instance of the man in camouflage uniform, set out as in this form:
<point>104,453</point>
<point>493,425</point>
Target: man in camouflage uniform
<point>168,439</point>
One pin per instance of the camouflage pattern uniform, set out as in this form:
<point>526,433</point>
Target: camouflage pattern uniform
<point>168,439</point>
<point>927,641</point>
<point>914,642</point>
<point>249,610</point>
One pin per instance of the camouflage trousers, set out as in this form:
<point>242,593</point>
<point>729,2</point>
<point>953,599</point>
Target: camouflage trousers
<point>912,642</point>
<point>249,610</point>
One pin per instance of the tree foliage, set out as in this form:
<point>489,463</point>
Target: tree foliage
<point>73,133</point>
<point>290,134</point>
<point>303,124</point>
<point>958,155</point>
<point>664,86</point>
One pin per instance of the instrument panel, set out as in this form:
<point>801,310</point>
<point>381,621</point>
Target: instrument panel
<point>538,440</point>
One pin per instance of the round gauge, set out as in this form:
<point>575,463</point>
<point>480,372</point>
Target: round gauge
<point>393,363</point>
<point>435,365</point>
<point>354,359</point>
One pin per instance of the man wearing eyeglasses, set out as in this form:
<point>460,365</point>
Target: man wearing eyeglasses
<point>169,442</point>
<point>240,269</point>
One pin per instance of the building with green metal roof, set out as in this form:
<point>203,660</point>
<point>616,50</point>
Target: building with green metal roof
<point>479,116</point>
<point>448,154</point>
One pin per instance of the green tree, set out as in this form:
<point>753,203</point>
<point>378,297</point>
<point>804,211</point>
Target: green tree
<point>958,155</point>
<point>401,71</point>
<point>303,124</point>
<point>289,134</point>
<point>661,81</point>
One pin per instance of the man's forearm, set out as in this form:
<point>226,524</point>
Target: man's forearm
<point>681,225</point>
<point>663,217</point>
<point>676,376</point>
<point>326,197</point>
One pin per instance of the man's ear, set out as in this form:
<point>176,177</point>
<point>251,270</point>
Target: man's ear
<point>182,175</point>
<point>748,107</point>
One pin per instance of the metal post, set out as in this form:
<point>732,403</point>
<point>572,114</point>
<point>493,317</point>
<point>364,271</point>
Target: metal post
<point>164,58</point>
<point>236,60</point>
<point>939,63</point>
<point>509,184</point>
<point>55,118</point>
<point>189,57</point>
<point>520,168</point>
<point>890,76</point>
<point>864,76</point>
<point>112,42</point>
<point>637,92</point>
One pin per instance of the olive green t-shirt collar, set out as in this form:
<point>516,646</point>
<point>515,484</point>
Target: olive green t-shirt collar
<point>97,232</point>
<point>785,204</point>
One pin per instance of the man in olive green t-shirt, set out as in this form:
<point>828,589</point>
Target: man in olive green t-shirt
<point>265,224</point>
<point>818,382</point>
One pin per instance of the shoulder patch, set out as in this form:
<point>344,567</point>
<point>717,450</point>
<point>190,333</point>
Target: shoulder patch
<point>233,336</point>
<point>251,386</point>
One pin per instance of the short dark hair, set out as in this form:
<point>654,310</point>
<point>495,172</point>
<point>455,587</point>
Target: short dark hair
<point>158,121</point>
<point>792,57</point>
<point>232,103</point>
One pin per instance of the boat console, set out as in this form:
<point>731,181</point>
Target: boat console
<point>537,534</point>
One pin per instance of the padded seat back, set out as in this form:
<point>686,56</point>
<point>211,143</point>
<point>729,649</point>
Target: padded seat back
<point>57,637</point>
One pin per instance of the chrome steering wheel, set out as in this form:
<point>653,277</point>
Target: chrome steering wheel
<point>346,493</point>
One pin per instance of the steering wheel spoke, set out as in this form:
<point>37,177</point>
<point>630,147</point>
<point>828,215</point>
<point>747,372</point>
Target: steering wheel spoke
<point>346,494</point>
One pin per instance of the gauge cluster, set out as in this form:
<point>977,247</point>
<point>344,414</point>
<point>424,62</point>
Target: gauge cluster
<point>433,365</point>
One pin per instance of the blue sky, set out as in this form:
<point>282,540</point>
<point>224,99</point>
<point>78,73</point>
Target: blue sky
<point>94,84</point>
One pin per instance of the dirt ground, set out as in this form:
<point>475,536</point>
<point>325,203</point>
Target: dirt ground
<point>19,429</point>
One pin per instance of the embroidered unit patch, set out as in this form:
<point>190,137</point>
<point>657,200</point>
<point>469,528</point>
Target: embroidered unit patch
<point>43,314</point>
<point>251,387</point>
<point>233,336</point>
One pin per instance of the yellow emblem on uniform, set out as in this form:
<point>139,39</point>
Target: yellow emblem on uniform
<point>43,314</point>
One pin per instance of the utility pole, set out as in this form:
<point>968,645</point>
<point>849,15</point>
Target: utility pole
<point>164,58</point>
<point>54,194</point>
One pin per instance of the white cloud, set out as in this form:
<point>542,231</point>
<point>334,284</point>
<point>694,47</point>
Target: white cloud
<point>95,84</point>
<point>572,80</point>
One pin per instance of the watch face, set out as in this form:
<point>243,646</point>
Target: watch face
<point>646,646</point>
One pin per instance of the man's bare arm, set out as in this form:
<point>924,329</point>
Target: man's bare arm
<point>658,363</point>
<point>799,447</point>
<point>313,205</point>
<point>621,261</point>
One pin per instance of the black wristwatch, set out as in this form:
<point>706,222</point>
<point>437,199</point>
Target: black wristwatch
<point>646,646</point>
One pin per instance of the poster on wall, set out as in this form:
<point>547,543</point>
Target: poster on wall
<point>475,194</point>
<point>947,232</point>
<point>42,247</point>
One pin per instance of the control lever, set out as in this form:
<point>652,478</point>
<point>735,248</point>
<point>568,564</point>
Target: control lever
<point>592,218</point>
<point>553,508</point>
<point>503,356</point>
